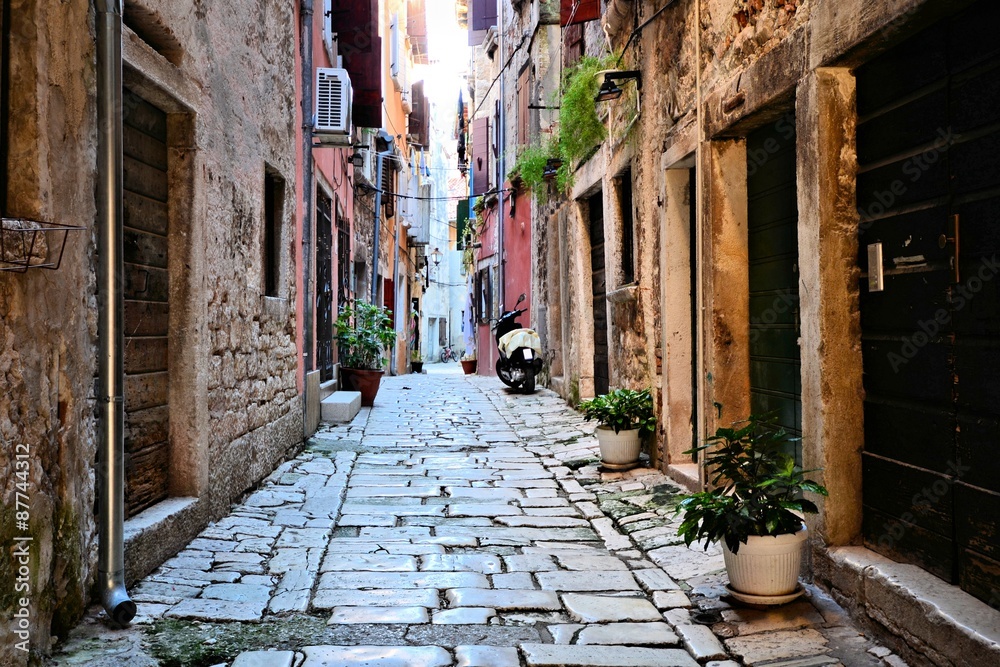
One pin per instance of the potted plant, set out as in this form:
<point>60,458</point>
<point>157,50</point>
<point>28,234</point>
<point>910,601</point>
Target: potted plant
<point>625,417</point>
<point>416,361</point>
<point>469,363</point>
<point>755,509</point>
<point>364,331</point>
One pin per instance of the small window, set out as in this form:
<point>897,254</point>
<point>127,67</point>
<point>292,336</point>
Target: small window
<point>274,207</point>
<point>628,228</point>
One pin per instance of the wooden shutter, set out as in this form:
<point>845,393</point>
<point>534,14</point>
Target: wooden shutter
<point>523,124</point>
<point>483,16</point>
<point>480,155</point>
<point>358,41</point>
<point>419,117</point>
<point>388,193</point>
<point>586,10</point>
<point>572,45</point>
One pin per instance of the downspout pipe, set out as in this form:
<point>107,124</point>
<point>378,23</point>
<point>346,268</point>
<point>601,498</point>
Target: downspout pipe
<point>306,54</point>
<point>378,217</point>
<point>110,332</point>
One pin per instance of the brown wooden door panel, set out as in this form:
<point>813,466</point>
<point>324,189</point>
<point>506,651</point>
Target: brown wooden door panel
<point>926,294</point>
<point>978,575</point>
<point>918,496</point>
<point>977,365</point>
<point>136,145</point>
<point>905,542</point>
<point>144,249</point>
<point>145,390</point>
<point>883,81</point>
<point>145,354</point>
<point>910,433</point>
<point>978,530</point>
<point>975,102</point>
<point>920,122</point>
<point>146,318</point>
<point>147,483</point>
<point>145,180</point>
<point>146,304</point>
<point>144,214</point>
<point>146,283</point>
<point>910,234</point>
<point>974,164</point>
<point>146,427</point>
<point>891,371</point>
<point>976,452</point>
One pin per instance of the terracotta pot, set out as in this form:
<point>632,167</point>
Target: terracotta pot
<point>766,566</point>
<point>469,366</point>
<point>365,381</point>
<point>619,451</point>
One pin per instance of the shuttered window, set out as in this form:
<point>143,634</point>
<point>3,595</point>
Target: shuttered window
<point>354,22</point>
<point>572,12</point>
<point>483,16</point>
<point>480,155</point>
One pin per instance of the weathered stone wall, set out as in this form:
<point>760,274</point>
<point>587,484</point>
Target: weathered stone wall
<point>235,411</point>
<point>48,328</point>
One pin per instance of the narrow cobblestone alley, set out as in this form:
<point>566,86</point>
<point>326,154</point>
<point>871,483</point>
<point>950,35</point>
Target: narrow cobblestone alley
<point>457,524</point>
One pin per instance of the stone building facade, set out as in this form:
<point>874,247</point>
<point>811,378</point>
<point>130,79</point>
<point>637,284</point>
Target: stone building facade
<point>719,240</point>
<point>210,355</point>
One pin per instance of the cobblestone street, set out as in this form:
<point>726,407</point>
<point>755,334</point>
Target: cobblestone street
<point>457,524</point>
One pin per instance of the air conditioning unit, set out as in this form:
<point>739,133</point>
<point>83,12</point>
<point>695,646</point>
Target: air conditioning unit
<point>333,101</point>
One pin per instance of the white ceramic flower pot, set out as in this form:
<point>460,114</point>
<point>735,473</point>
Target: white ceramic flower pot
<point>766,566</point>
<point>618,449</point>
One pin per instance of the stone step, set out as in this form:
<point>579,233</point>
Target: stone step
<point>340,406</point>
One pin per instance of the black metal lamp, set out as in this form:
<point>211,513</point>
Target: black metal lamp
<point>356,158</point>
<point>436,257</point>
<point>611,90</point>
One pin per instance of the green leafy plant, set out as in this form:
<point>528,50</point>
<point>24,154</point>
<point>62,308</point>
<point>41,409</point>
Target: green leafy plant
<point>363,332</point>
<point>622,409</point>
<point>757,487</point>
<point>416,356</point>
<point>580,128</point>
<point>530,167</point>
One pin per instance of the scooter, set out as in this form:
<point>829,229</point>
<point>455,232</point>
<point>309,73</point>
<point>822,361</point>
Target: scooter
<point>520,351</point>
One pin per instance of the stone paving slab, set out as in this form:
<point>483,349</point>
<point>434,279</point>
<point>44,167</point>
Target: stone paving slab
<point>428,542</point>
<point>554,655</point>
<point>376,656</point>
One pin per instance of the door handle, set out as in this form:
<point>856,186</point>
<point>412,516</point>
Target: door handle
<point>943,242</point>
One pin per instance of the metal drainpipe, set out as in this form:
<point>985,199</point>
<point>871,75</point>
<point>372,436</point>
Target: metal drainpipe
<point>111,376</point>
<point>378,215</point>
<point>306,53</point>
<point>501,140</point>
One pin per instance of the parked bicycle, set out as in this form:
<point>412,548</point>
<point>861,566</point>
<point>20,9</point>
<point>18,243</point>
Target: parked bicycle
<point>448,354</point>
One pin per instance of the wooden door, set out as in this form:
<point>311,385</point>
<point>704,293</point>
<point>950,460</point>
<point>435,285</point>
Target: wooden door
<point>928,142</point>
<point>146,304</point>
<point>324,287</point>
<point>772,238</point>
<point>599,290</point>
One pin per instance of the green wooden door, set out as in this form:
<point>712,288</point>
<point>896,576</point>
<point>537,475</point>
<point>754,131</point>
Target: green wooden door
<point>772,239</point>
<point>599,293</point>
<point>928,142</point>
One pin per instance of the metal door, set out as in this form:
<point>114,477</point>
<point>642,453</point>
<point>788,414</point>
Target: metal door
<point>324,287</point>
<point>929,195</point>
<point>146,304</point>
<point>599,290</point>
<point>772,239</point>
